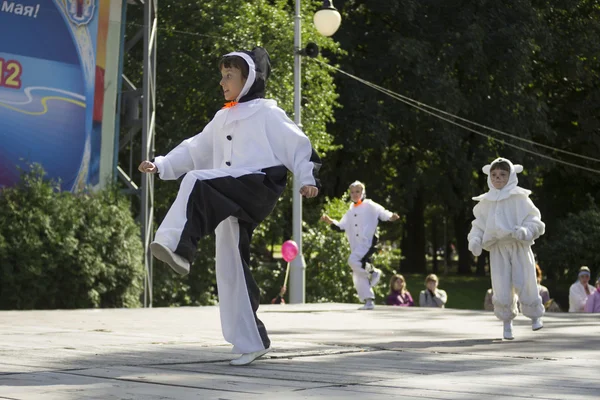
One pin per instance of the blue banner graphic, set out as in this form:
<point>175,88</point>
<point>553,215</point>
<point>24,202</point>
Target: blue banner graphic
<point>48,81</point>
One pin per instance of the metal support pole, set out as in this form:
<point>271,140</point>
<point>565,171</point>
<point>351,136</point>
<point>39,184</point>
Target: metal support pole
<point>148,123</point>
<point>145,189</point>
<point>298,265</point>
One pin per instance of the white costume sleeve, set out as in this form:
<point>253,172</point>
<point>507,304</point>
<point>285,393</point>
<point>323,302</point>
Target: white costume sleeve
<point>532,221</point>
<point>382,213</point>
<point>192,154</point>
<point>291,146</point>
<point>342,225</point>
<point>478,224</point>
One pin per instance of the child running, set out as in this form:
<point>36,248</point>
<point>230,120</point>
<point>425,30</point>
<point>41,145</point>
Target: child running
<point>506,224</point>
<point>360,224</point>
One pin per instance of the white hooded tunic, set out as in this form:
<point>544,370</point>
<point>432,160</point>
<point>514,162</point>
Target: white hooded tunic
<point>499,216</point>
<point>251,136</point>
<point>499,212</point>
<point>360,224</point>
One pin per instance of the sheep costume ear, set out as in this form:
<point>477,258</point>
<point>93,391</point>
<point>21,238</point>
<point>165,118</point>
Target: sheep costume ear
<point>517,167</point>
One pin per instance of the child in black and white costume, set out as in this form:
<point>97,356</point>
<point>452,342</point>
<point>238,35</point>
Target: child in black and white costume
<point>235,171</point>
<point>506,224</point>
<point>360,224</point>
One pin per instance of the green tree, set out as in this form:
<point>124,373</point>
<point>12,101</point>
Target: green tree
<point>572,244</point>
<point>529,68</point>
<point>479,60</point>
<point>329,277</point>
<point>567,75</point>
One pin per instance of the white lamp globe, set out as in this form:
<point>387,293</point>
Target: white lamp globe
<point>327,20</point>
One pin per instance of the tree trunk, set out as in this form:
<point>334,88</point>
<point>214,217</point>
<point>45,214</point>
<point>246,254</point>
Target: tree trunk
<point>447,248</point>
<point>434,243</point>
<point>462,226</point>
<point>413,240</point>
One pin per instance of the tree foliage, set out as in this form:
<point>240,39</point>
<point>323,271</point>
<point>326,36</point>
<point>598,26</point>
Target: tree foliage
<point>528,68</point>
<point>572,244</point>
<point>61,250</point>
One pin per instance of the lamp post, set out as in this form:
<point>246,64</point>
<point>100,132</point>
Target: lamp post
<point>327,21</point>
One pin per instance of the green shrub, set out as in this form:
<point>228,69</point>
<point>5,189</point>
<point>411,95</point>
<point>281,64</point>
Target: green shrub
<point>198,288</point>
<point>329,277</point>
<point>573,243</point>
<point>65,250</point>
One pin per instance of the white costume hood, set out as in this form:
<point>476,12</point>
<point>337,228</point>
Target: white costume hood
<point>259,70</point>
<point>511,186</point>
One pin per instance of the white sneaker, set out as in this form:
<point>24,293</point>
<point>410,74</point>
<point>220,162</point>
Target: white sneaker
<point>375,276</point>
<point>536,324</point>
<point>369,305</point>
<point>508,335</point>
<point>247,358</point>
<point>175,261</point>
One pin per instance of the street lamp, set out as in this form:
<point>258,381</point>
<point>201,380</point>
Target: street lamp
<point>327,21</point>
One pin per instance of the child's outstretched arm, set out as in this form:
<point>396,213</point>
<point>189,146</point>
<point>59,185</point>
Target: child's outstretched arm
<point>147,167</point>
<point>192,154</point>
<point>327,219</point>
<point>388,216</point>
<point>385,215</point>
<point>475,236</point>
<point>292,147</point>
<point>309,191</point>
<point>335,225</point>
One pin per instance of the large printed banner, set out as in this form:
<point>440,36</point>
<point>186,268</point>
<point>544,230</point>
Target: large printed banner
<point>51,88</point>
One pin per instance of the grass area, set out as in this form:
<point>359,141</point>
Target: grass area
<point>468,292</point>
<point>464,292</point>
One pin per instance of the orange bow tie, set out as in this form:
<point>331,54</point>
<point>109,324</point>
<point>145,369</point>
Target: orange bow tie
<point>230,104</point>
<point>358,203</point>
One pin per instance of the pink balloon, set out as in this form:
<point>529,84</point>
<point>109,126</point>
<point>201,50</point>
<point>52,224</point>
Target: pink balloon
<point>289,250</point>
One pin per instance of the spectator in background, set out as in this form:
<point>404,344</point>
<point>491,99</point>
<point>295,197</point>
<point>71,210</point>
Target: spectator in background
<point>399,296</point>
<point>549,304</point>
<point>580,291</point>
<point>543,290</point>
<point>593,302</point>
<point>279,298</point>
<point>432,296</point>
<point>487,301</point>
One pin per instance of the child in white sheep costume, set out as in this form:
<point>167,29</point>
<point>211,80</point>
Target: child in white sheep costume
<point>506,224</point>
